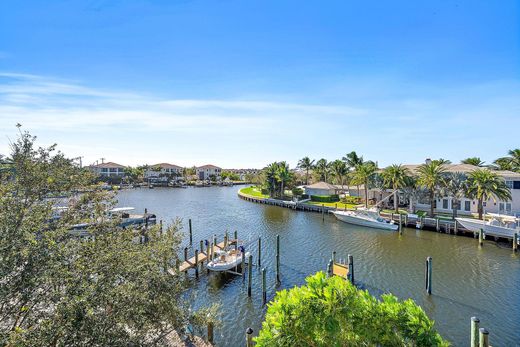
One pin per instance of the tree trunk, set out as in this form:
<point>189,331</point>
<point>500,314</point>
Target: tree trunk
<point>432,201</point>
<point>366,194</point>
<point>395,202</point>
<point>480,208</point>
<point>454,207</point>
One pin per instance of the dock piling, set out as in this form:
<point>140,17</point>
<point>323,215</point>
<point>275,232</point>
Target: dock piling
<point>243,266</point>
<point>515,242</point>
<point>481,237</point>
<point>351,268</point>
<point>455,227</point>
<point>483,337</point>
<point>264,287</point>
<point>201,247</point>
<point>329,268</point>
<point>333,256</point>
<point>400,224</point>
<point>474,331</point>
<point>437,225</point>
<point>196,263</point>
<point>323,212</point>
<point>235,235</point>
<point>249,337</point>
<point>428,275</point>
<point>259,251</point>
<point>249,275</point>
<point>191,234</point>
<point>210,332</point>
<point>278,258</point>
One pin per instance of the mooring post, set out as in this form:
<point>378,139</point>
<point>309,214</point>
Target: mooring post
<point>215,240</point>
<point>196,263</point>
<point>483,337</point>
<point>455,227</point>
<point>322,212</point>
<point>515,242</point>
<point>185,253</point>
<point>243,266</point>
<point>259,251</point>
<point>249,337</point>
<point>351,268</point>
<point>211,251</point>
<point>210,332</point>
<point>225,239</point>
<point>422,222</point>
<point>437,226</point>
<point>429,275</point>
<point>481,237</point>
<point>406,220</point>
<point>278,258</point>
<point>329,268</point>
<point>191,234</point>
<point>474,331</point>
<point>145,210</point>
<point>249,275</point>
<point>201,247</point>
<point>400,224</point>
<point>333,257</point>
<point>208,252</point>
<point>391,216</point>
<point>235,235</point>
<point>264,289</point>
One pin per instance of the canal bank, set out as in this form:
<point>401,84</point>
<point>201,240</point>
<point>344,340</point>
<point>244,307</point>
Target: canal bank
<point>467,280</point>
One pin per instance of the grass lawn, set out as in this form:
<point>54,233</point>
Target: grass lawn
<point>341,205</point>
<point>253,191</point>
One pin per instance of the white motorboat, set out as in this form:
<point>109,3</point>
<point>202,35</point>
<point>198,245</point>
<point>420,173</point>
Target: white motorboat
<point>367,218</point>
<point>497,225</point>
<point>227,260</point>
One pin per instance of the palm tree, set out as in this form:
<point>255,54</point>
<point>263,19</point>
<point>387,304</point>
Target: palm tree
<point>283,175</point>
<point>484,184</point>
<point>476,161</point>
<point>395,177</point>
<point>431,177</point>
<point>502,164</point>
<point>362,175</point>
<point>511,162</point>
<point>455,187</point>
<point>413,192</point>
<point>353,160</point>
<point>306,164</point>
<point>271,172</point>
<point>322,166</point>
<point>340,171</point>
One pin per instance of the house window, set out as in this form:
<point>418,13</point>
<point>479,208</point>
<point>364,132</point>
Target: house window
<point>504,207</point>
<point>445,204</point>
<point>104,170</point>
<point>467,206</point>
<point>113,169</point>
<point>516,185</point>
<point>509,184</point>
<point>484,203</point>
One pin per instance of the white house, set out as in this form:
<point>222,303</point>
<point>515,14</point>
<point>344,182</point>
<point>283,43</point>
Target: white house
<point>164,170</point>
<point>321,188</point>
<point>206,172</point>
<point>108,169</point>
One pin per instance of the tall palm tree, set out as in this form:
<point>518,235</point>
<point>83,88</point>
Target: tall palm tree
<point>484,184</point>
<point>511,162</point>
<point>352,160</point>
<point>476,161</point>
<point>363,174</point>
<point>413,192</point>
<point>395,177</point>
<point>340,171</point>
<point>283,175</point>
<point>306,164</point>
<point>271,172</point>
<point>502,164</point>
<point>454,186</point>
<point>322,166</point>
<point>431,177</point>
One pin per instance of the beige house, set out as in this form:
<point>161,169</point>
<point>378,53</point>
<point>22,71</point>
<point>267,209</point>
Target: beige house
<point>108,169</point>
<point>164,170</point>
<point>206,172</point>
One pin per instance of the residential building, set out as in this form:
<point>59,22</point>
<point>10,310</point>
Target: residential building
<point>321,188</point>
<point>206,172</point>
<point>108,169</point>
<point>167,170</point>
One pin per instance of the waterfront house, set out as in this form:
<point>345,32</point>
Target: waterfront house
<point>207,172</point>
<point>108,169</point>
<point>322,189</point>
<point>166,170</point>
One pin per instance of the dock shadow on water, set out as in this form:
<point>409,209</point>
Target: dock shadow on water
<point>467,280</point>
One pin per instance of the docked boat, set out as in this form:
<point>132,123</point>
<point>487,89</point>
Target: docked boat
<point>365,217</point>
<point>226,260</point>
<point>128,219</point>
<point>498,225</point>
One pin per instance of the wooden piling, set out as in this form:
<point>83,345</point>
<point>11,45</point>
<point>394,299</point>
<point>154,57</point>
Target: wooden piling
<point>243,266</point>
<point>400,224</point>
<point>351,268</point>
<point>474,332</point>
<point>483,337</point>
<point>210,332</point>
<point>481,237</point>
<point>428,275</point>
<point>264,287</point>
<point>235,236</point>
<point>259,251</point>
<point>322,212</point>
<point>249,337</point>
<point>249,275</point>
<point>191,234</point>
<point>201,247</point>
<point>225,239</point>
<point>437,226</point>
<point>208,252</point>
<point>334,256</point>
<point>196,263</point>
<point>455,227</point>
<point>515,242</point>
<point>278,258</point>
<point>329,268</point>
<point>406,220</point>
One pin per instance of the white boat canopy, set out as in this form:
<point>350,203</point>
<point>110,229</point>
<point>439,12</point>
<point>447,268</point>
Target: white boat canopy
<point>121,209</point>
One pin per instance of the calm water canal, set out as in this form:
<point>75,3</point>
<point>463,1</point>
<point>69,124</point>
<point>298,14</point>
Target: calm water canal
<point>467,280</point>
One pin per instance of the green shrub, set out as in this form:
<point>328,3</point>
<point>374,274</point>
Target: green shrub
<point>353,200</point>
<point>325,198</point>
<point>333,312</point>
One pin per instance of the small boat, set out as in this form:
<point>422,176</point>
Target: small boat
<point>226,260</point>
<point>367,218</point>
<point>497,225</point>
<point>128,219</point>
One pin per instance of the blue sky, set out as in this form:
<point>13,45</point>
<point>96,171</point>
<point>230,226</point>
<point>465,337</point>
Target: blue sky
<point>244,83</point>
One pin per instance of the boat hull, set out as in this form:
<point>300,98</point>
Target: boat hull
<point>492,230</point>
<point>364,222</point>
<point>219,266</point>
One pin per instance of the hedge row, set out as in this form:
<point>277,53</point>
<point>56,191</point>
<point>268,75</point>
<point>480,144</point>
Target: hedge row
<point>325,198</point>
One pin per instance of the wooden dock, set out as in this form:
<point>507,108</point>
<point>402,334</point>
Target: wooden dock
<point>203,255</point>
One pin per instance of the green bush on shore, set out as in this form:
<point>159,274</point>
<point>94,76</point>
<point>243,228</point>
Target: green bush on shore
<point>325,198</point>
<point>333,312</point>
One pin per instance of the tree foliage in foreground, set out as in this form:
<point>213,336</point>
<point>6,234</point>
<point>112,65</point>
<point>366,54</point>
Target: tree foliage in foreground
<point>57,290</point>
<point>333,312</point>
